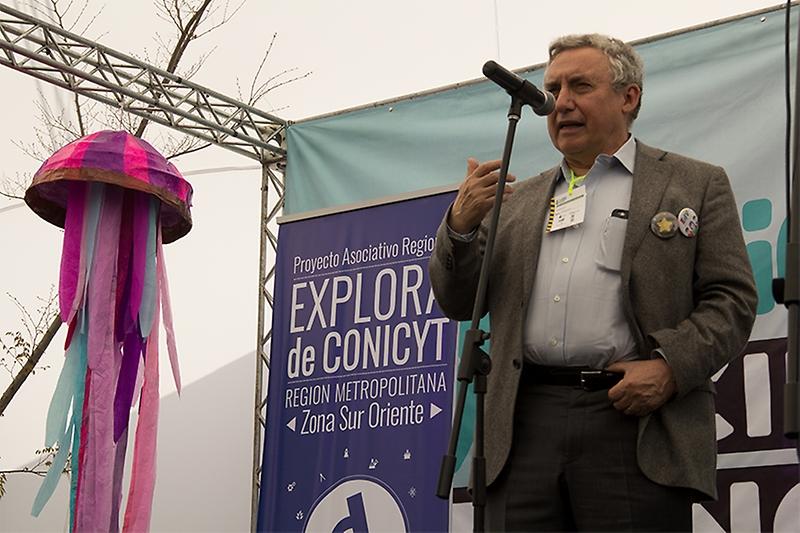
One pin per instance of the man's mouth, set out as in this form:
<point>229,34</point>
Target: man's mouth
<point>569,125</point>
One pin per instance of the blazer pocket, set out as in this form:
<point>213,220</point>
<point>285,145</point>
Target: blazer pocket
<point>612,238</point>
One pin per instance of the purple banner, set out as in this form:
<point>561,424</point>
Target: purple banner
<point>361,375</point>
<point>757,478</point>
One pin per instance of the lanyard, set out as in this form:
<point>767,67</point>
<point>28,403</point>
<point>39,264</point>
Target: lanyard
<point>574,181</point>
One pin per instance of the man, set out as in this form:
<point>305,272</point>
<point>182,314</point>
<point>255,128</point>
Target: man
<point>623,258</point>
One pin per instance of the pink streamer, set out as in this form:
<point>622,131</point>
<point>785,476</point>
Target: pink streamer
<point>93,513</point>
<point>68,313</point>
<point>71,261</point>
<point>143,471</point>
<point>167,311</point>
<point>82,448</point>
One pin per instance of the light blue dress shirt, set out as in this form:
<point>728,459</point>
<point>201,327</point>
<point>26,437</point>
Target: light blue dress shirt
<point>575,316</point>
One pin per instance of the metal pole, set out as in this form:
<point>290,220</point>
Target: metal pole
<point>258,421</point>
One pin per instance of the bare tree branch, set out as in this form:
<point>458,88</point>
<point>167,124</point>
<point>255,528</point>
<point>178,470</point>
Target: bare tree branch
<point>20,348</point>
<point>261,64</point>
<point>225,18</point>
<point>267,89</point>
<point>187,33</point>
<point>18,352</point>
<point>14,188</point>
<point>11,196</point>
<point>45,459</point>
<point>259,89</point>
<point>189,150</point>
<point>195,67</point>
<point>30,365</point>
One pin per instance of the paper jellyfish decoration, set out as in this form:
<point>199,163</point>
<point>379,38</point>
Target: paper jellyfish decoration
<point>118,200</point>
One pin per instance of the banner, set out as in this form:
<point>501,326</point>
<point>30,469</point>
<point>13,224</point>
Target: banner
<point>757,466</point>
<point>361,375</point>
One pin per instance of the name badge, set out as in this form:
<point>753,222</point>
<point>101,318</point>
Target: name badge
<point>567,210</point>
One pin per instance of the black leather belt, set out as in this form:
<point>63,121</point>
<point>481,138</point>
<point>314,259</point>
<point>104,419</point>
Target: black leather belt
<point>580,377</point>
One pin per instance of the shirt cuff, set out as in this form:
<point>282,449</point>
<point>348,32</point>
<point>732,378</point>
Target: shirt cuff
<point>461,237</point>
<point>658,352</point>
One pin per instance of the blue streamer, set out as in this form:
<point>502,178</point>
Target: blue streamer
<point>147,307</point>
<point>69,391</point>
<point>77,418</point>
<point>93,205</point>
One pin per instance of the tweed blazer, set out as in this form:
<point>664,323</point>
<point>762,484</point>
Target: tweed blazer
<point>694,298</point>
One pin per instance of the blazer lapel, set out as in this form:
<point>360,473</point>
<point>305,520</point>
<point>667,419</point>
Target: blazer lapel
<point>650,180</point>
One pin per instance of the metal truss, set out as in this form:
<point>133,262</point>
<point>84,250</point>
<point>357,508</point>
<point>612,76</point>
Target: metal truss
<point>69,61</point>
<point>54,55</point>
<point>271,207</point>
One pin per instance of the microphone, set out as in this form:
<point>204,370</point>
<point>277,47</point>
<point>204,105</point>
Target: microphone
<point>542,102</point>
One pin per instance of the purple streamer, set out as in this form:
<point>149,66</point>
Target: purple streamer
<point>119,471</point>
<point>123,317</point>
<point>126,384</point>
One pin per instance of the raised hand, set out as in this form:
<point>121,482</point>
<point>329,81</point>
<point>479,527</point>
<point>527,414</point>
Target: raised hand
<point>476,194</point>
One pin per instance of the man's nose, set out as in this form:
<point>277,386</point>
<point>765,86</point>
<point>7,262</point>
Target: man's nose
<point>564,100</point>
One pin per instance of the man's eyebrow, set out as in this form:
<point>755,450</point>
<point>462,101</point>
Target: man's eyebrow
<point>578,77</point>
<point>572,78</point>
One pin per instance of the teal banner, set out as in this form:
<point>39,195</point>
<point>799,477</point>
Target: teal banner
<point>715,93</point>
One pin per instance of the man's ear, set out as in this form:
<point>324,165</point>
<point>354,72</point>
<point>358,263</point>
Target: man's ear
<point>632,93</point>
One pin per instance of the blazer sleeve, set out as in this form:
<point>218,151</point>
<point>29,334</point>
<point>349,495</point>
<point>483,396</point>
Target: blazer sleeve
<point>454,270</point>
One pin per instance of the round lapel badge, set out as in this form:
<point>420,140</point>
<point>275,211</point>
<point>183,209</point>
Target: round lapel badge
<point>664,225</point>
<point>687,222</point>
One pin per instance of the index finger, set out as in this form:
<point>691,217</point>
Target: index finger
<point>472,164</point>
<point>486,167</point>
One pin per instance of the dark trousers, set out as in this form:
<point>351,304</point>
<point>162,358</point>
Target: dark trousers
<point>573,467</point>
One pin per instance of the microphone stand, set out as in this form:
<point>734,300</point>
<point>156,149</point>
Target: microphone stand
<point>791,293</point>
<point>475,364</point>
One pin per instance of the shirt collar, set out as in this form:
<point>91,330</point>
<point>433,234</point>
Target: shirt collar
<point>626,155</point>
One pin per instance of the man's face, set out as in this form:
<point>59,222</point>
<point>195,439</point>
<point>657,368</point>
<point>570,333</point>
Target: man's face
<point>590,116</point>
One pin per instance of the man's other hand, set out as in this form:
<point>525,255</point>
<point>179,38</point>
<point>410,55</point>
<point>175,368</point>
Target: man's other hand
<point>645,386</point>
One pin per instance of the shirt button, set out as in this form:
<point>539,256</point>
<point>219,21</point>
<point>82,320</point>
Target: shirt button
<point>553,342</point>
<point>565,259</point>
<point>556,298</point>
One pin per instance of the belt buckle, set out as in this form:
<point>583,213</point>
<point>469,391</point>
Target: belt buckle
<point>586,377</point>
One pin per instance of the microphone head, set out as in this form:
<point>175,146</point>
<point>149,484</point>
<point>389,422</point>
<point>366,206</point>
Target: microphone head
<point>547,106</point>
<point>489,68</point>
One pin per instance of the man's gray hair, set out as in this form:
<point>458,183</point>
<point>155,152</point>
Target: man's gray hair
<point>626,66</point>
